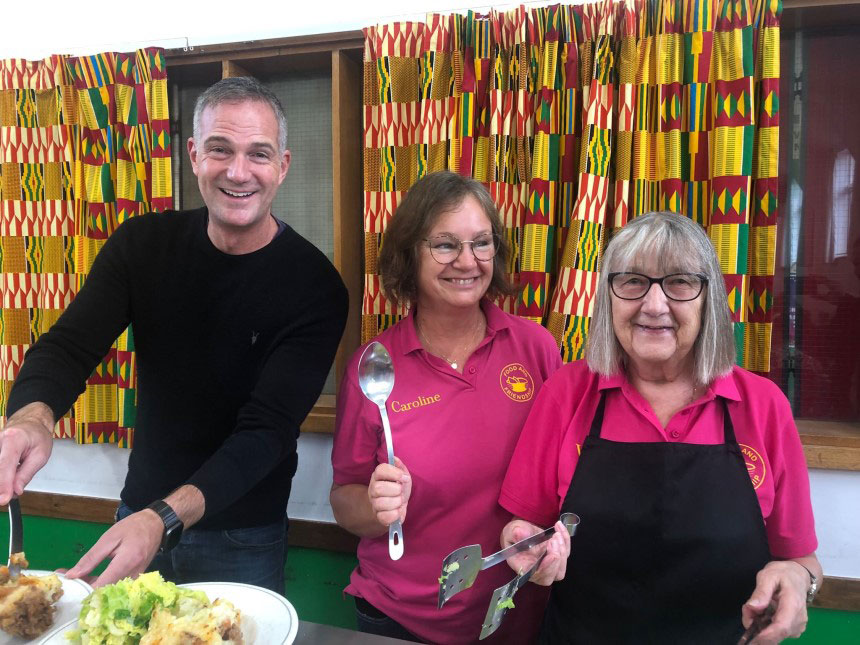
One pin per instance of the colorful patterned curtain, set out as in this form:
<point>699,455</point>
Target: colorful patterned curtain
<point>578,117</point>
<point>84,145</point>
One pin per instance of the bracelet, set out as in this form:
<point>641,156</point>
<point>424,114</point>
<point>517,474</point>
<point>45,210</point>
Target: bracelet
<point>813,583</point>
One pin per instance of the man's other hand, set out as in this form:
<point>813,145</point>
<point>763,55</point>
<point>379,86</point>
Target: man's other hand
<point>130,544</point>
<point>25,445</point>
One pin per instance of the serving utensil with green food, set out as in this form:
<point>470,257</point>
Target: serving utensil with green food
<point>376,380</point>
<point>503,597</point>
<point>462,566</point>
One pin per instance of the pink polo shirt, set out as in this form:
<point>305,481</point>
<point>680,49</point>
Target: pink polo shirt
<point>546,455</point>
<point>455,433</point>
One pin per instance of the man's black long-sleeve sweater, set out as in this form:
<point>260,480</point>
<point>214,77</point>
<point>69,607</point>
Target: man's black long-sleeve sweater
<point>232,353</point>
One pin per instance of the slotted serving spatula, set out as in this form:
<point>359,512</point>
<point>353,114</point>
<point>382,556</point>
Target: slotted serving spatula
<point>462,566</point>
<point>502,599</point>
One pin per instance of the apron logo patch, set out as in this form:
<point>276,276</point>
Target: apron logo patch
<point>755,464</point>
<point>517,383</point>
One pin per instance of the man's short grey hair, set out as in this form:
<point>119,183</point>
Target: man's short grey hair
<point>678,245</point>
<point>238,90</point>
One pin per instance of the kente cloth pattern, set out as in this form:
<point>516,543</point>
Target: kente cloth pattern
<point>578,118</point>
<point>84,145</point>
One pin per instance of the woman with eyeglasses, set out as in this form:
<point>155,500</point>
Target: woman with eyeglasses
<point>687,471</point>
<point>466,374</point>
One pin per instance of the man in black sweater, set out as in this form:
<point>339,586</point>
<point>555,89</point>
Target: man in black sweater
<point>236,320</point>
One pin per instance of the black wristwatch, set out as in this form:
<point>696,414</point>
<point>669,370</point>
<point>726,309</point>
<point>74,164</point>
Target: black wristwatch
<point>172,525</point>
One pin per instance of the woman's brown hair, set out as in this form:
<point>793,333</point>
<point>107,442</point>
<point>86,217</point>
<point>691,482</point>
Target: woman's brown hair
<point>427,199</point>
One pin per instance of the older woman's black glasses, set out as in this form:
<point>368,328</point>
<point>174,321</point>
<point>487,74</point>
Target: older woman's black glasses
<point>447,248</point>
<point>676,286</point>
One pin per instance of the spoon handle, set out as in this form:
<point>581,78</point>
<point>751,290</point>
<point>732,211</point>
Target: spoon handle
<point>386,429</point>
<point>395,530</point>
<point>395,540</point>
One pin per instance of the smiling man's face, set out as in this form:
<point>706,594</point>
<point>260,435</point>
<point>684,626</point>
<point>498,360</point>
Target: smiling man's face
<point>238,164</point>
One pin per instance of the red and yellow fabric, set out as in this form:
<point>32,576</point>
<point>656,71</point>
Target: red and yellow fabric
<point>493,97</point>
<point>84,145</point>
<point>578,118</point>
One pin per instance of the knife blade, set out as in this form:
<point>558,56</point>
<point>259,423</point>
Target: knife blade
<point>16,537</point>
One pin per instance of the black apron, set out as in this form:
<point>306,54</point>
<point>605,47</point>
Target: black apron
<point>671,539</point>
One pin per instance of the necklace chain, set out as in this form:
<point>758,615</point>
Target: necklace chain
<point>433,350</point>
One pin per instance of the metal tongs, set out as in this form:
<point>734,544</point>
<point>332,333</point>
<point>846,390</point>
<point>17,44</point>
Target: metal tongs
<point>462,566</point>
<point>502,599</point>
<point>16,538</point>
<point>758,624</point>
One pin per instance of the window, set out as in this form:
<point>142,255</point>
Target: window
<point>816,334</point>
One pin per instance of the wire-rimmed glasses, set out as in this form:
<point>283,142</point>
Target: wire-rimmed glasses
<point>447,248</point>
<point>677,286</point>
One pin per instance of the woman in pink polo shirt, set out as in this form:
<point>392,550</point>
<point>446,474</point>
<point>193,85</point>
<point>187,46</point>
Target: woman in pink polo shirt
<point>466,376</point>
<point>686,470</point>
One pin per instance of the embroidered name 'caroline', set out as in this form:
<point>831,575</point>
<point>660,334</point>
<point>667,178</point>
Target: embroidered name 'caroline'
<point>397,406</point>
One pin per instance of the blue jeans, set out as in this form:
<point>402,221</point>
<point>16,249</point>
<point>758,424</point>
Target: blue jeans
<point>372,621</point>
<point>255,555</point>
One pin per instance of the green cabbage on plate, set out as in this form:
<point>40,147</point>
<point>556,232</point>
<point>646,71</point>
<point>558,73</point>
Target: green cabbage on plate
<point>119,614</point>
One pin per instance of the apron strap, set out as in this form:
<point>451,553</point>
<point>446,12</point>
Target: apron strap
<point>597,421</point>
<point>728,426</point>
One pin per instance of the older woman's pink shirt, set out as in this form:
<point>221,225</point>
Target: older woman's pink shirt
<point>548,449</point>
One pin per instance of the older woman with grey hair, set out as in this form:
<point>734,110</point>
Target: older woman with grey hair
<point>687,471</point>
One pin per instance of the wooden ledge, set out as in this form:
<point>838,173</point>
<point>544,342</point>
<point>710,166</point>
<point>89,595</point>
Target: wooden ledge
<point>267,48</point>
<point>839,593</point>
<point>302,533</point>
<point>830,444</point>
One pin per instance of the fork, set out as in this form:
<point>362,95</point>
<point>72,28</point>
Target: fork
<point>16,538</point>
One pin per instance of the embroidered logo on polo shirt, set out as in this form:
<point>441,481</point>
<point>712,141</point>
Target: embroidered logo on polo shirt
<point>755,464</point>
<point>516,382</point>
<point>419,402</point>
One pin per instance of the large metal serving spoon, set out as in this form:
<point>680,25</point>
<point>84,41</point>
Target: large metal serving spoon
<point>376,380</point>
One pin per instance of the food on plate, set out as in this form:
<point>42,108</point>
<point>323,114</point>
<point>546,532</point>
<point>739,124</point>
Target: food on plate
<point>217,624</point>
<point>150,611</point>
<point>27,603</point>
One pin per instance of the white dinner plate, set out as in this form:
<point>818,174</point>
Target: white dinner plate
<point>68,606</point>
<point>267,618</point>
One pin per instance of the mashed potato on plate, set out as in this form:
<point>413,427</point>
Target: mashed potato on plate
<point>217,624</point>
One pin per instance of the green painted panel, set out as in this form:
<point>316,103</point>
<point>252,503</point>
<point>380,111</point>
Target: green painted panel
<point>828,626</point>
<point>55,544</point>
<point>315,583</point>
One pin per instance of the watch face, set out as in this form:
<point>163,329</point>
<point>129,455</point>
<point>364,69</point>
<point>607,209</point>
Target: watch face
<point>813,589</point>
<point>172,525</point>
<point>171,538</point>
